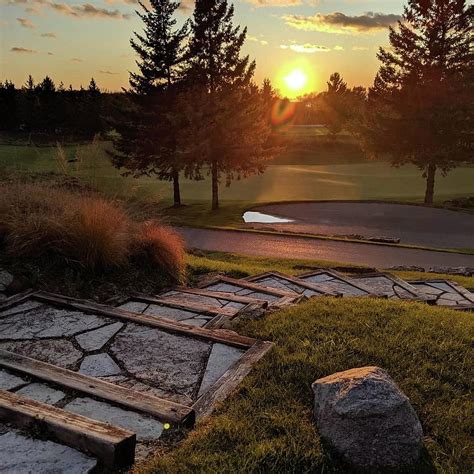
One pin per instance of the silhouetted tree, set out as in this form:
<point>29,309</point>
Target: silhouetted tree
<point>236,128</point>
<point>420,106</point>
<point>334,104</point>
<point>150,126</point>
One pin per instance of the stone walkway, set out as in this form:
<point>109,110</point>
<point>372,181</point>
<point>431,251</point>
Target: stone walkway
<point>156,362</point>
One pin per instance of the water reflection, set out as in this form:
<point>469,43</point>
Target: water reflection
<point>258,217</point>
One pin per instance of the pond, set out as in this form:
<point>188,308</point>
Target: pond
<point>259,217</point>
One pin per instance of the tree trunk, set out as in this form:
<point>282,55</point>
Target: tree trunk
<point>176,190</point>
<point>430,182</point>
<point>215,185</point>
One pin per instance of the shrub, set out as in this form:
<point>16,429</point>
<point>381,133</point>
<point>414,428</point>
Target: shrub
<point>40,221</point>
<point>160,245</point>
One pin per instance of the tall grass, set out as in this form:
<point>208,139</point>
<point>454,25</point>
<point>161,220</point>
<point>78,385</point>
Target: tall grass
<point>38,221</point>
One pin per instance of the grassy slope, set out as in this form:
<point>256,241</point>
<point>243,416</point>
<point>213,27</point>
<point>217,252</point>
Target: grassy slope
<point>267,425</point>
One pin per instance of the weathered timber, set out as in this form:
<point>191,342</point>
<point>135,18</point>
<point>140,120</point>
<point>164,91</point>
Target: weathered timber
<point>164,410</point>
<point>114,447</point>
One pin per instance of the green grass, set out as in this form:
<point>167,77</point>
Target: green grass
<point>266,426</point>
<point>317,177</point>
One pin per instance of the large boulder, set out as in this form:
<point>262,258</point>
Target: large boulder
<point>365,417</point>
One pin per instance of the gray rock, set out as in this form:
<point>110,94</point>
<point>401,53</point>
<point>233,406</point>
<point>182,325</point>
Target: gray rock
<point>55,351</point>
<point>146,427</point>
<point>42,393</point>
<point>99,365</point>
<point>222,357</point>
<point>97,338</point>
<point>365,417</point>
<point>166,361</point>
<point>29,455</point>
<point>134,306</point>
<point>10,381</point>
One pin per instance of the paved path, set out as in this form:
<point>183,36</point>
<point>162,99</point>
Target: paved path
<point>313,249</point>
<point>417,225</point>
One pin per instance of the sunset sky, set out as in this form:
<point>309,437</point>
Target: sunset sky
<point>74,40</point>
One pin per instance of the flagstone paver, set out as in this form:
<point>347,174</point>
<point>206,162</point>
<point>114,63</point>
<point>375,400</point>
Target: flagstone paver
<point>55,351</point>
<point>42,393</point>
<point>99,365</point>
<point>165,360</point>
<point>30,455</point>
<point>146,427</point>
<point>335,283</point>
<point>9,381</point>
<point>94,340</point>
<point>222,357</point>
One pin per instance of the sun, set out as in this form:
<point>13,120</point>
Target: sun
<point>296,80</point>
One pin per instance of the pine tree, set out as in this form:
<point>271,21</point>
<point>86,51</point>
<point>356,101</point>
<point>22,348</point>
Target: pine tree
<point>334,104</point>
<point>420,106</point>
<point>149,128</point>
<point>236,128</point>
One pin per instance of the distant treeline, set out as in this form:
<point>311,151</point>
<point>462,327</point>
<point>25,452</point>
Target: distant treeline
<point>45,111</point>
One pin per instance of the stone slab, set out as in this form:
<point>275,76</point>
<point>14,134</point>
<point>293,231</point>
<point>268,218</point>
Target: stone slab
<point>134,306</point>
<point>29,455</point>
<point>99,365</point>
<point>222,357</point>
<point>42,393</point>
<point>6,278</point>
<point>54,351</point>
<point>176,314</point>
<point>47,321</point>
<point>9,381</point>
<point>164,360</point>
<point>94,340</point>
<point>145,427</point>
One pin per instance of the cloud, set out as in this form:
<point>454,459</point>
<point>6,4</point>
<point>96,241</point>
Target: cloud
<point>338,48</point>
<point>25,23</point>
<point>83,10</point>
<point>359,48</point>
<point>307,48</point>
<point>50,54</point>
<point>257,40</point>
<point>48,35</point>
<point>76,60</point>
<point>343,24</point>
<point>110,73</point>
<point>17,49</point>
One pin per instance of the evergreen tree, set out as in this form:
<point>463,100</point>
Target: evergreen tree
<point>236,128</point>
<point>420,106</point>
<point>150,126</point>
<point>334,104</point>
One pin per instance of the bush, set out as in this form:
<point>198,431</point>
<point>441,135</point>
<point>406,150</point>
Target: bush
<point>160,245</point>
<point>40,221</point>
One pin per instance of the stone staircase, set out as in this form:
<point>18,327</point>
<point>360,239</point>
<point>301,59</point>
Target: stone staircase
<point>85,386</point>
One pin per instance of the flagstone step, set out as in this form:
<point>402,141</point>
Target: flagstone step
<point>390,286</point>
<point>275,297</point>
<point>292,284</point>
<point>445,293</point>
<point>337,282</point>
<point>195,310</point>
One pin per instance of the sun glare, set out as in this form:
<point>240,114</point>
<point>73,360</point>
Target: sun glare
<point>296,80</point>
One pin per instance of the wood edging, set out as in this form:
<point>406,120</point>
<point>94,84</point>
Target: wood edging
<point>175,302</point>
<point>230,380</point>
<point>114,447</point>
<point>162,409</point>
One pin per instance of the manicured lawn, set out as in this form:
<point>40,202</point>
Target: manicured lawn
<point>312,175</point>
<point>267,425</point>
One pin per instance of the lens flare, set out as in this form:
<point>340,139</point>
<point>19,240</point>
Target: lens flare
<point>283,112</point>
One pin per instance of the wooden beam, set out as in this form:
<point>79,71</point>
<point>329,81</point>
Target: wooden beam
<point>221,295</point>
<point>226,337</point>
<point>114,447</point>
<point>164,410</point>
<point>230,379</point>
<point>175,302</point>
